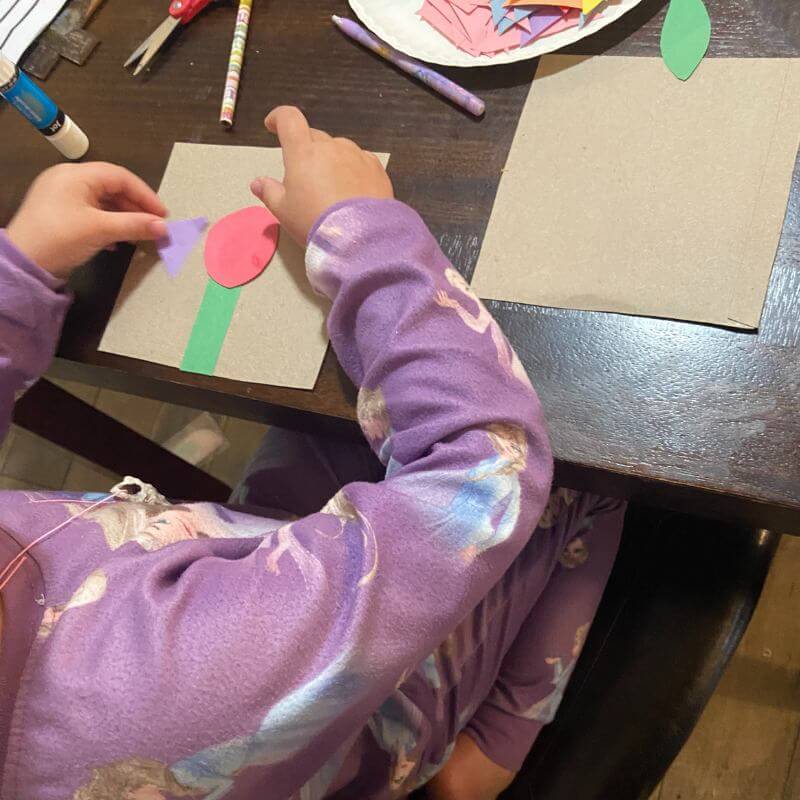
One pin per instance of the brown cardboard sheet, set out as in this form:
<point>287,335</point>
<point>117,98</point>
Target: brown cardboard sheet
<point>277,333</point>
<point>627,190</point>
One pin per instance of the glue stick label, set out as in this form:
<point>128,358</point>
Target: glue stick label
<point>33,104</point>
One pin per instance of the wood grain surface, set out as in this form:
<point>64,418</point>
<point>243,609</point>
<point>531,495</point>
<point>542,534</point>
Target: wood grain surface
<point>676,413</point>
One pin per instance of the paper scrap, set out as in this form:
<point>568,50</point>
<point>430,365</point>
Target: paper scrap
<point>21,21</point>
<point>587,16</point>
<point>682,188</point>
<point>550,22</point>
<point>489,27</point>
<point>503,18</point>
<point>240,245</point>
<point>469,5</point>
<point>498,11</point>
<point>562,3</point>
<point>210,328</point>
<point>182,237</point>
<point>685,36</point>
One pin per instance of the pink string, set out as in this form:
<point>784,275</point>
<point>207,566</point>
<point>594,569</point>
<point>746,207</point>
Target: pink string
<point>19,559</point>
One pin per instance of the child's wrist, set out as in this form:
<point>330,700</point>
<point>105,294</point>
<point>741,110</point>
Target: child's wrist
<point>30,248</point>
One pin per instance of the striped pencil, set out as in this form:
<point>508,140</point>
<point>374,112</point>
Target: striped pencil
<point>235,63</point>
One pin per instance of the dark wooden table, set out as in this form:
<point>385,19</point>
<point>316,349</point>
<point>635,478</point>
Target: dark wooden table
<point>676,413</point>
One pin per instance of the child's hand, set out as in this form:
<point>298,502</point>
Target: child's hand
<point>320,171</point>
<point>73,211</point>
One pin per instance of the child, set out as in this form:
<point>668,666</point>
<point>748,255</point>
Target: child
<point>417,630</point>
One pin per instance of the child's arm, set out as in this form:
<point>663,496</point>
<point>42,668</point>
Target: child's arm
<point>70,213</point>
<point>271,652</point>
<point>32,308</point>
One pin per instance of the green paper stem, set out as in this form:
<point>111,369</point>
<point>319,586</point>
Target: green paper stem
<point>685,36</point>
<point>210,328</point>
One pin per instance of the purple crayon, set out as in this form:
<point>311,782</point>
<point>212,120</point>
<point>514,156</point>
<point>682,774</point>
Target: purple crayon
<point>452,91</point>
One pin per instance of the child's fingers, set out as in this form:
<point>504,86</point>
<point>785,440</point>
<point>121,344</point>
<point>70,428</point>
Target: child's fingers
<point>349,144</point>
<point>291,127</point>
<point>131,227</point>
<point>270,192</point>
<point>122,203</point>
<point>113,181</point>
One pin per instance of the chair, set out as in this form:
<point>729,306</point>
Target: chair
<point>677,603</point>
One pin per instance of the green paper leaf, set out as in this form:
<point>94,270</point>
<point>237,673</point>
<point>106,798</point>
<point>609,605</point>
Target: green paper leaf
<point>210,328</point>
<point>685,36</point>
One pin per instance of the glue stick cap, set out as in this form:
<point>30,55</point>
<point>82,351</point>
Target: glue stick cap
<point>70,141</point>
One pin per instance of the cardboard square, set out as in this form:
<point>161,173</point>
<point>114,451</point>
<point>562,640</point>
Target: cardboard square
<point>277,334</point>
<point>626,190</point>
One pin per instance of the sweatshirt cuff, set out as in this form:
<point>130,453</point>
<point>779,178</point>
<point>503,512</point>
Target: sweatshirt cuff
<point>363,230</point>
<point>365,205</point>
<point>13,255</point>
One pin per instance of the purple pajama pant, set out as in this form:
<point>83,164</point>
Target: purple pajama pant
<point>500,676</point>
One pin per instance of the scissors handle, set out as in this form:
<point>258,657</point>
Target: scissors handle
<point>186,10</point>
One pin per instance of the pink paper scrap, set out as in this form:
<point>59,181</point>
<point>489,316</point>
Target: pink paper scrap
<point>472,25</point>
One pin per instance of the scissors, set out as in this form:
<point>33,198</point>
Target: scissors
<point>181,12</point>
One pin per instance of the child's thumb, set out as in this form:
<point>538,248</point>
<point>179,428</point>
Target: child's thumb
<point>270,192</point>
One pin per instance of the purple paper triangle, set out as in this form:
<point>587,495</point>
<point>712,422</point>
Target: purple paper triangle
<point>182,236</point>
<point>540,22</point>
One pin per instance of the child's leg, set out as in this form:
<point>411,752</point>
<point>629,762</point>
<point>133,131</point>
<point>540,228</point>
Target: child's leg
<point>298,473</point>
<point>536,668</point>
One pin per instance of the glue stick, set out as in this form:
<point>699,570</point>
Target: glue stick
<point>31,101</point>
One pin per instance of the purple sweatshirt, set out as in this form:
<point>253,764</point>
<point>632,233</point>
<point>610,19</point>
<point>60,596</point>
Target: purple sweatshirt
<point>158,651</point>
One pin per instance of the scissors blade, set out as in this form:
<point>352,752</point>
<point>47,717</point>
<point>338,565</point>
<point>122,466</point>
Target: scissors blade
<point>147,50</point>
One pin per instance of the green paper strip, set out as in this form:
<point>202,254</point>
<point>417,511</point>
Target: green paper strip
<point>210,328</point>
<point>685,36</point>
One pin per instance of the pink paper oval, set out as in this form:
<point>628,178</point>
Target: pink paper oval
<point>240,245</point>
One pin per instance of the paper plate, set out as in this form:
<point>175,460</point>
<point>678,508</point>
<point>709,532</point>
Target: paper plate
<point>397,22</point>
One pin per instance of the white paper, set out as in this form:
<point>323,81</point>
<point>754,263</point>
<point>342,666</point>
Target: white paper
<point>21,21</point>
